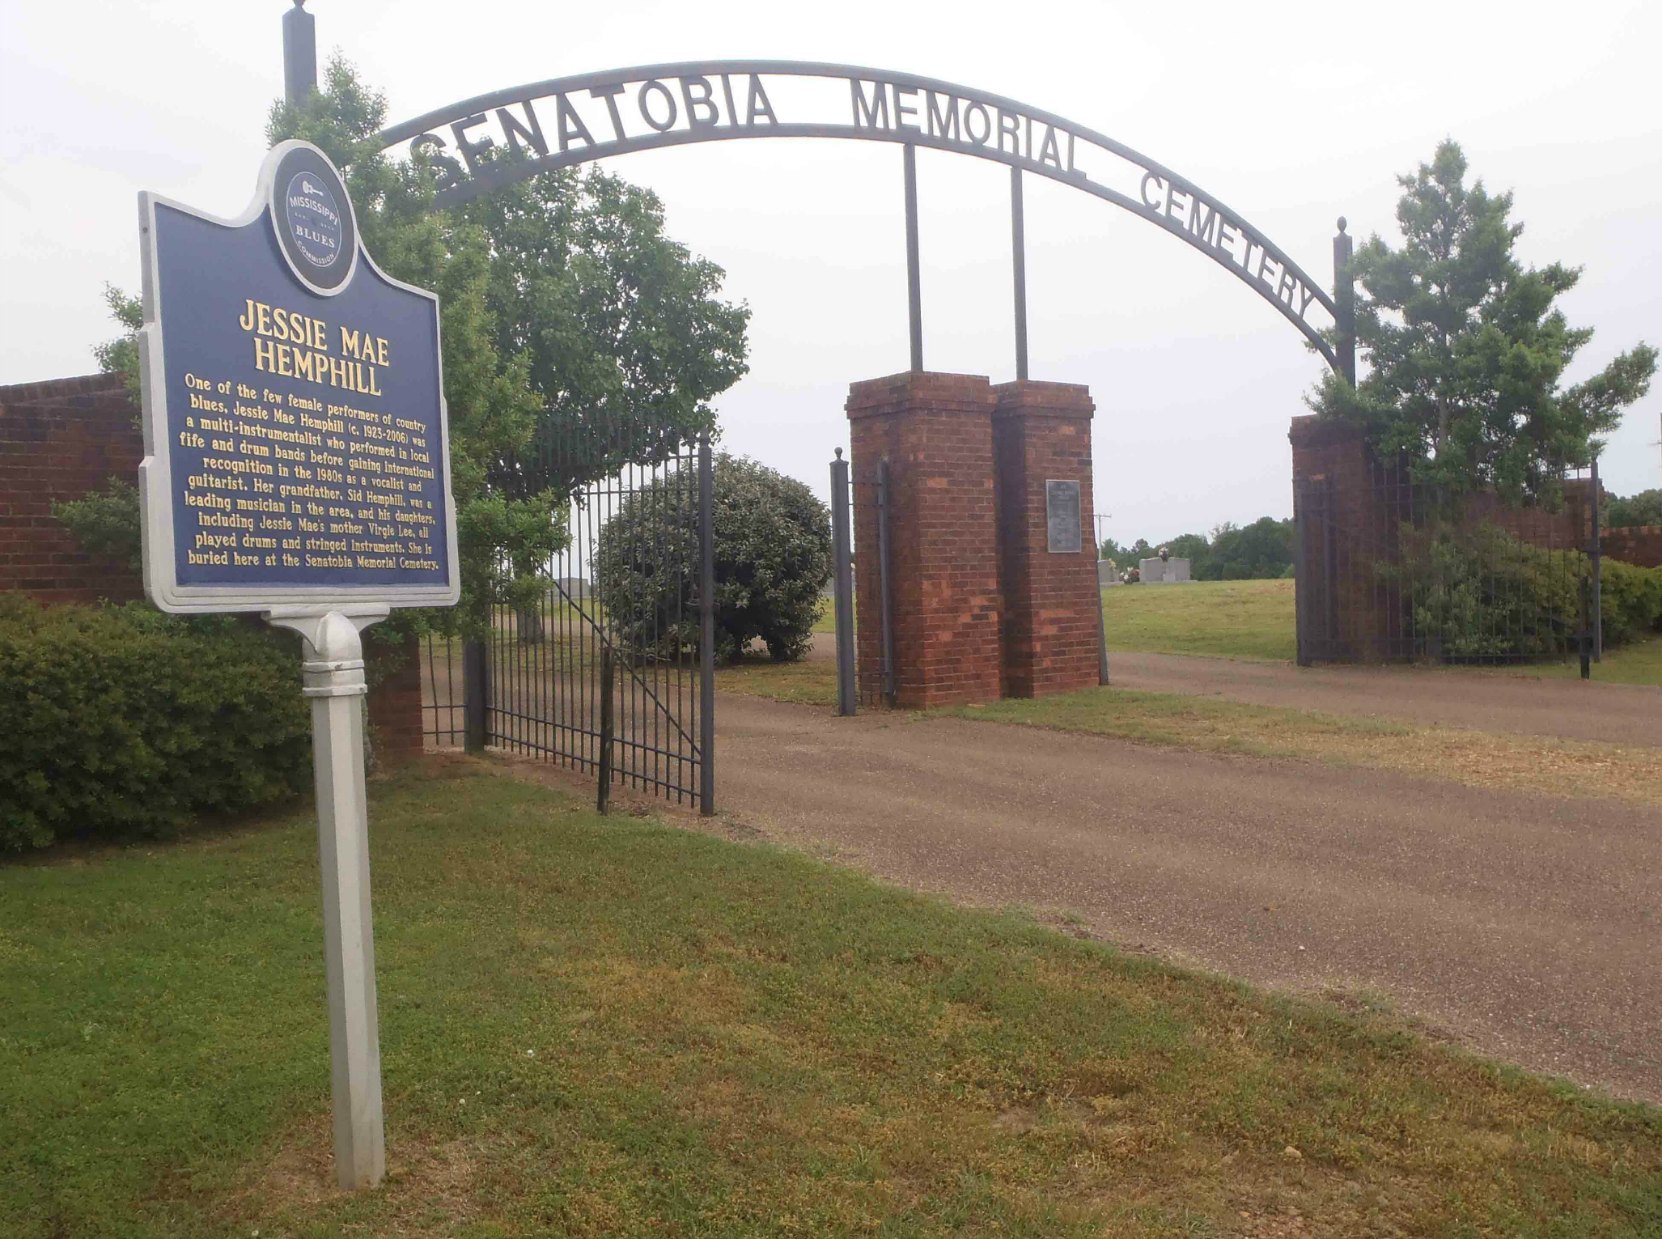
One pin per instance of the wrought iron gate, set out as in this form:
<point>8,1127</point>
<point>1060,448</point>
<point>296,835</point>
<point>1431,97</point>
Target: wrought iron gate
<point>605,666</point>
<point>865,668</point>
<point>1391,569</point>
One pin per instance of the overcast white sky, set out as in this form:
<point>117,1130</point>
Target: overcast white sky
<point>1291,112</point>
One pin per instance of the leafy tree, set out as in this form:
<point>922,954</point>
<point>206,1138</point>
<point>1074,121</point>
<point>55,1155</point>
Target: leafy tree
<point>106,522</point>
<point>1259,551</point>
<point>120,355</point>
<point>584,339</point>
<point>577,337</point>
<point>1465,349</point>
<point>1109,549</point>
<point>1645,508</point>
<point>625,339</point>
<point>772,561</point>
<point>1193,547</point>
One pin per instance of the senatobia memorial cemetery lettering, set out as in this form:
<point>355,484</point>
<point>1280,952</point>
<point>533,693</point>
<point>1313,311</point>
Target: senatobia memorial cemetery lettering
<point>297,464</point>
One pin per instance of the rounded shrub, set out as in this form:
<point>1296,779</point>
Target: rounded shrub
<point>1631,601</point>
<point>121,720</point>
<point>772,562</point>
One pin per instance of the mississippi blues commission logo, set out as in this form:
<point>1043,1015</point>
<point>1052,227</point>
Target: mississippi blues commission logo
<point>314,219</point>
<point>311,217</point>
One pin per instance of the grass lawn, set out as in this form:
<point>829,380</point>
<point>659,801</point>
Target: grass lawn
<point>1254,619</point>
<point>1639,662</point>
<point>1236,619</point>
<point>613,1027</point>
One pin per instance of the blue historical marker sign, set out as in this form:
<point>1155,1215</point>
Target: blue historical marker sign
<point>296,448</point>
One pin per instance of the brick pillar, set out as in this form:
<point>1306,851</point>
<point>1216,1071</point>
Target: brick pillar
<point>1042,432</point>
<point>936,432</point>
<point>395,702</point>
<point>1352,612</point>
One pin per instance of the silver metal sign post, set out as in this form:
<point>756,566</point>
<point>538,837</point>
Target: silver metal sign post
<point>297,464</point>
<point>332,675</point>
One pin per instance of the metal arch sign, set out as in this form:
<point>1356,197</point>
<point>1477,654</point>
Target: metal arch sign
<point>492,140</point>
<point>295,437</point>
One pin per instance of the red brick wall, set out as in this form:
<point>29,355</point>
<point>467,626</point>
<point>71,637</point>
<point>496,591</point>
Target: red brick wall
<point>58,441</point>
<point>1051,639</point>
<point>1634,544</point>
<point>1569,528</point>
<point>936,432</point>
<point>61,439</point>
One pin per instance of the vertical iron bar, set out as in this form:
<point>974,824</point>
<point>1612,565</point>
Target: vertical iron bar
<point>842,584</point>
<point>682,498</point>
<point>1018,266</point>
<point>884,585</point>
<point>299,54</point>
<point>1586,642</point>
<point>475,697</point>
<point>1330,568</point>
<point>432,680</point>
<point>1301,575</point>
<point>707,628</point>
<point>1344,302</point>
<point>914,284</point>
<point>1596,552</point>
<point>603,793</point>
<point>590,650</point>
<point>1101,628</point>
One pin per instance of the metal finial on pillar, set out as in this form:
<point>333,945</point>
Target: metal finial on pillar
<point>1344,303</point>
<point>299,54</point>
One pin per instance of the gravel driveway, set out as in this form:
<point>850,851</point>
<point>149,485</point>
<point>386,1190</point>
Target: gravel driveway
<point>1526,927</point>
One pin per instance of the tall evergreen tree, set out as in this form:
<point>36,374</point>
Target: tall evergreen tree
<point>1465,348</point>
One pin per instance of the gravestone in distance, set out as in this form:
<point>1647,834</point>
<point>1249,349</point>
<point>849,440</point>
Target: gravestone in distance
<point>1163,571</point>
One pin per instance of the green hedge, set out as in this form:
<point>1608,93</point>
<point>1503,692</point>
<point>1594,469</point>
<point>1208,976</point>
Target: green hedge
<point>1480,593</point>
<point>122,721</point>
<point>1630,601</point>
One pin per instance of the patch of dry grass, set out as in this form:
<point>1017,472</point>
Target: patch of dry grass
<point>1476,758</point>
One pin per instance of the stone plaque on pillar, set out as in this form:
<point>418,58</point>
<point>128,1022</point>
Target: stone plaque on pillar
<point>1050,637</point>
<point>1062,517</point>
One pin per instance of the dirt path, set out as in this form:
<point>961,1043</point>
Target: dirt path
<point>1486,701</point>
<point>1526,927</point>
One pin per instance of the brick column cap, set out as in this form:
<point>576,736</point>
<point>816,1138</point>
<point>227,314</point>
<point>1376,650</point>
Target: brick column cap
<point>1314,430</point>
<point>904,392</point>
<point>1034,397</point>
